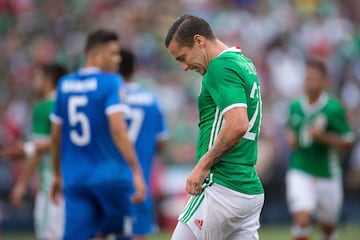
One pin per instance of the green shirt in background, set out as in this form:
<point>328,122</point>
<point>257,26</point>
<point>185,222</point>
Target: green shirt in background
<point>41,129</point>
<point>313,157</point>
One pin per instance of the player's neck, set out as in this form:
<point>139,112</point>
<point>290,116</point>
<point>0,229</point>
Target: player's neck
<point>313,98</point>
<point>49,94</point>
<point>215,48</point>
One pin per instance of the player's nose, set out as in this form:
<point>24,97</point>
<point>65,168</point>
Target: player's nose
<point>184,66</point>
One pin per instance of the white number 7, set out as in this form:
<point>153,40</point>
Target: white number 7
<point>136,117</point>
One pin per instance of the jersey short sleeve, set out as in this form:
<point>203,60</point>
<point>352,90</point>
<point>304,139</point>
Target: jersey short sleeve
<point>226,85</point>
<point>161,128</point>
<point>114,101</point>
<point>338,121</point>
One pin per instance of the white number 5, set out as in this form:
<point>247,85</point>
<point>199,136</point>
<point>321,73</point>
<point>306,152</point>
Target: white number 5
<point>77,117</point>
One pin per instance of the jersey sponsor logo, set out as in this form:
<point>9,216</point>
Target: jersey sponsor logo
<point>199,223</point>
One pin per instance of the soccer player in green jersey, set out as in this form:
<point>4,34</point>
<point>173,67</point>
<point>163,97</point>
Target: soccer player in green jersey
<point>48,217</point>
<point>226,195</point>
<point>317,126</point>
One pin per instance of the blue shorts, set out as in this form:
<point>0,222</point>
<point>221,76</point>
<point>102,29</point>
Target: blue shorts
<point>104,208</point>
<point>144,223</point>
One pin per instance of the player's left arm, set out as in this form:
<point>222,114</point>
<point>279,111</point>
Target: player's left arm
<point>234,128</point>
<point>56,189</point>
<point>19,190</point>
<point>24,149</point>
<point>341,137</point>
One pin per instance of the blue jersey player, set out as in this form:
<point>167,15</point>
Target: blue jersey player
<point>94,161</point>
<point>148,131</point>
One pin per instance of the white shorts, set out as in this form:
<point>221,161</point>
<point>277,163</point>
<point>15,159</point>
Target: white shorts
<point>320,196</point>
<point>221,213</point>
<point>48,218</point>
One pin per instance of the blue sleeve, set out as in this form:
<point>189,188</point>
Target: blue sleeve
<point>114,101</point>
<point>162,129</point>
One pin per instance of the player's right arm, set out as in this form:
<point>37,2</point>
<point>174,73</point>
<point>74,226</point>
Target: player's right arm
<point>122,142</point>
<point>19,190</point>
<point>290,134</point>
<point>291,138</point>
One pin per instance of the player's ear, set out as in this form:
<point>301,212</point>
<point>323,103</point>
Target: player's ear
<point>198,40</point>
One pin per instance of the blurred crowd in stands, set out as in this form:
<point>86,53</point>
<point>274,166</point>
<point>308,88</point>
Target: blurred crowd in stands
<point>277,35</point>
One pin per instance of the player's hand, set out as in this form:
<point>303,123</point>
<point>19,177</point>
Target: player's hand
<point>140,188</point>
<point>316,132</point>
<point>56,190</point>
<point>195,180</point>
<point>17,195</point>
<point>12,152</point>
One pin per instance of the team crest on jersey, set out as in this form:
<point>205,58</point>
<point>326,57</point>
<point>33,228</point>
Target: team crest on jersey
<point>199,223</point>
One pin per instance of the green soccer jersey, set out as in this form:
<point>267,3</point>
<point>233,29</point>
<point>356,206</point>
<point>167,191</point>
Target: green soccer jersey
<point>310,156</point>
<point>231,81</point>
<point>41,131</point>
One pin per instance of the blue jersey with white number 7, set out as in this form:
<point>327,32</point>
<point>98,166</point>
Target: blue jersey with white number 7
<point>84,101</point>
<point>146,124</point>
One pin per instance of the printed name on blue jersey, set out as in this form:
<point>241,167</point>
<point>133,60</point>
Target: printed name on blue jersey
<point>74,85</point>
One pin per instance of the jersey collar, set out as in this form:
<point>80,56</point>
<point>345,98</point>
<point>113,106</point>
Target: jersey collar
<point>132,85</point>
<point>231,49</point>
<point>320,103</point>
<point>89,70</point>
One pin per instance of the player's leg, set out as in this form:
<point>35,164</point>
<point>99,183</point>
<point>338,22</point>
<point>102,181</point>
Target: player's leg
<point>330,204</point>
<point>301,198</point>
<point>116,207</point>
<point>182,231</point>
<point>81,214</point>
<point>232,215</point>
<point>191,218</point>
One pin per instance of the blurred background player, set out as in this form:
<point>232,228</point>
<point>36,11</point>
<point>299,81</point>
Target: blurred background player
<point>48,217</point>
<point>148,132</point>
<point>88,135</point>
<point>317,127</point>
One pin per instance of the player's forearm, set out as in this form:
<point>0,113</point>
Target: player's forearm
<point>229,136</point>
<point>30,167</point>
<point>335,140</point>
<point>291,138</point>
<point>43,146</point>
<point>126,149</point>
<point>55,148</point>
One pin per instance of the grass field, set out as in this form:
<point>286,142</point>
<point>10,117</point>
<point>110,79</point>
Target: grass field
<point>276,232</point>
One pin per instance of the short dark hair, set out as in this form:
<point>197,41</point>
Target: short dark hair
<point>318,64</point>
<point>54,72</point>
<point>99,37</point>
<point>127,64</point>
<point>185,27</point>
